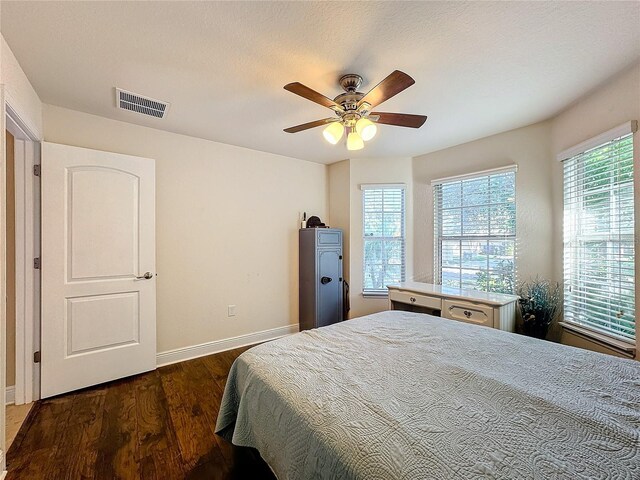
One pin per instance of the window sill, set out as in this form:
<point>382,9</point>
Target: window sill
<point>626,348</point>
<point>375,295</point>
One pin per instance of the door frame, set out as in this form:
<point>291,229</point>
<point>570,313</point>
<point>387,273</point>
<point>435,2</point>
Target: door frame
<point>27,246</point>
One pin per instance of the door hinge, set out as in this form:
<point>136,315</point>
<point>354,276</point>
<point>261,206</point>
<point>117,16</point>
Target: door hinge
<point>36,170</point>
<point>36,263</point>
<point>36,357</point>
<point>340,257</point>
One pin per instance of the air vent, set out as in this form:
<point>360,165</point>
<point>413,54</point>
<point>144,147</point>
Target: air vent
<point>144,105</point>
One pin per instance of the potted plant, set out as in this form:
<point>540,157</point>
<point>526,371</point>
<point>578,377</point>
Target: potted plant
<point>540,303</point>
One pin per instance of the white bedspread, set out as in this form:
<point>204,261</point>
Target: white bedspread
<point>399,395</point>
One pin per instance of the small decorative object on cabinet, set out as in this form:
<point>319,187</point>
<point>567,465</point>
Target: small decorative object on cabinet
<point>321,282</point>
<point>495,310</point>
<point>540,304</point>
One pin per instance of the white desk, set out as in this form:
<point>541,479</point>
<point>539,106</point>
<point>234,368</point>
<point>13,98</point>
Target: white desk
<point>496,310</point>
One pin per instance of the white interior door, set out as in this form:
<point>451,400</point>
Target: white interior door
<point>98,242</point>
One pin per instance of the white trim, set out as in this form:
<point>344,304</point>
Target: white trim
<point>621,346</point>
<point>21,203</point>
<point>374,186</point>
<point>27,153</point>
<point>17,125</point>
<point>3,273</point>
<point>10,395</point>
<point>616,132</point>
<point>195,351</point>
<point>481,173</point>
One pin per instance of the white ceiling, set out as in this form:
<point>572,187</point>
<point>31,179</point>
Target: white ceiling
<point>480,67</point>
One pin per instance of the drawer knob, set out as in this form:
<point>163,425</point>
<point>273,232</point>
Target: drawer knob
<point>467,313</point>
<point>412,299</point>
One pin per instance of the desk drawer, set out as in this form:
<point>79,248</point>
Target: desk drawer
<point>468,312</point>
<point>415,299</point>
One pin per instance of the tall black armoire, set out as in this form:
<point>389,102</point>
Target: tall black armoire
<point>321,280</point>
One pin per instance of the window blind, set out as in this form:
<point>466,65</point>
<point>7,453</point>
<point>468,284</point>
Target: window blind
<point>475,232</point>
<point>599,250</point>
<point>383,237</point>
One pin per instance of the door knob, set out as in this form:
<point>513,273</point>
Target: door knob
<point>325,280</point>
<point>146,276</point>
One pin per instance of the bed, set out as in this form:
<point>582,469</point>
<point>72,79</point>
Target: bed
<point>399,395</point>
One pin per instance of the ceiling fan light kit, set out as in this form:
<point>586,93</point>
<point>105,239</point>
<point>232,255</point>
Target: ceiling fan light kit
<point>354,141</point>
<point>333,133</point>
<point>366,129</point>
<point>353,109</point>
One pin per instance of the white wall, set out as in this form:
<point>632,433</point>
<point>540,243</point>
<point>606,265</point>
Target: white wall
<point>227,222</point>
<point>527,147</point>
<point>19,93</point>
<point>339,209</point>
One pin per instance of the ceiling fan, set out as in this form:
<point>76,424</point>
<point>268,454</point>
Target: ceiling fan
<point>353,109</point>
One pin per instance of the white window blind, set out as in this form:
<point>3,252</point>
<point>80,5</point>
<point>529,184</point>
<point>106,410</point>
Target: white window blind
<point>599,263</point>
<point>475,232</point>
<point>383,216</point>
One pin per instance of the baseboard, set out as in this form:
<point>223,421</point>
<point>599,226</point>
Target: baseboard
<point>195,351</point>
<point>10,395</point>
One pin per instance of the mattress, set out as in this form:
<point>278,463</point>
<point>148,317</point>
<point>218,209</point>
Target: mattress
<point>399,395</point>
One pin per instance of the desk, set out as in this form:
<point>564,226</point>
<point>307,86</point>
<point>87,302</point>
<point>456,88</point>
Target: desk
<point>496,310</point>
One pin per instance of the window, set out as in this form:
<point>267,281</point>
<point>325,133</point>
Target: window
<point>475,231</point>
<point>599,251</point>
<point>383,215</point>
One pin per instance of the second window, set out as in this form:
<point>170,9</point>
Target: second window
<point>475,232</point>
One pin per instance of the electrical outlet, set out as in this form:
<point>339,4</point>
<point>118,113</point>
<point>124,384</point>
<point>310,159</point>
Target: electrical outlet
<point>231,311</point>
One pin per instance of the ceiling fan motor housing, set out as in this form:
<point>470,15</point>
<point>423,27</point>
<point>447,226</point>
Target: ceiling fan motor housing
<point>350,82</point>
<point>349,100</point>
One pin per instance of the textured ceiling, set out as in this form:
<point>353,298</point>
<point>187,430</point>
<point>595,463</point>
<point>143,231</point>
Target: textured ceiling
<point>480,67</point>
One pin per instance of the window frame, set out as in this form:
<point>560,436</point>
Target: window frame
<point>575,242</point>
<point>383,292</point>
<point>439,238</point>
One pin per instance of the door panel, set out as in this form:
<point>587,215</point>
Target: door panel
<point>99,322</point>
<point>98,236</point>
<point>330,294</point>
<point>118,256</point>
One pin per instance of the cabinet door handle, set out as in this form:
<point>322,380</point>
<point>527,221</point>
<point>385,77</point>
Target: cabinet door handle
<point>325,280</point>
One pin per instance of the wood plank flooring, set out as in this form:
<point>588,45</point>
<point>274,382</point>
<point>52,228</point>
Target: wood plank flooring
<point>158,425</point>
<point>15,417</point>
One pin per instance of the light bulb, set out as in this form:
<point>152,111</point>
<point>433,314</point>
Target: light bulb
<point>366,128</point>
<point>354,141</point>
<point>333,133</point>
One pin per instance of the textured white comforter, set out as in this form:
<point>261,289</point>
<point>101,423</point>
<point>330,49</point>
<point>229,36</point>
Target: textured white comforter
<point>399,395</point>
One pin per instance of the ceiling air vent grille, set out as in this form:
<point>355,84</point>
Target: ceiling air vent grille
<point>144,105</point>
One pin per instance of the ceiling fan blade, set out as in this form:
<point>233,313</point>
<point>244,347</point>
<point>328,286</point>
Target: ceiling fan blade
<point>309,94</point>
<point>307,126</point>
<point>399,119</point>
<point>387,88</point>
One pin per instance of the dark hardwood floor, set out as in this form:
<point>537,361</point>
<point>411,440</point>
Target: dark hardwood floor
<point>158,425</point>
